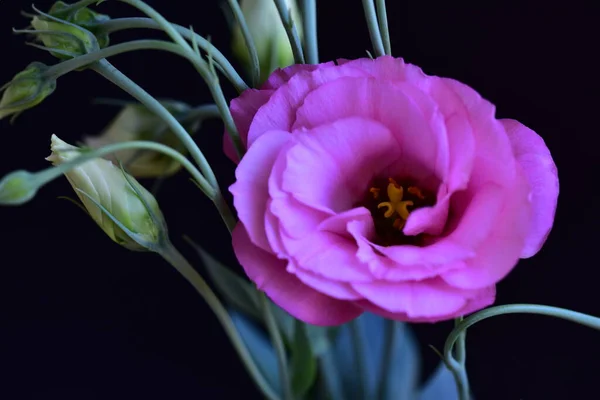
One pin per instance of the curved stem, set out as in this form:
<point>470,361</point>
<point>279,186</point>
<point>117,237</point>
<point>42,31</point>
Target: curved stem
<point>248,40</point>
<point>52,173</point>
<point>201,66</point>
<point>359,358</point>
<point>171,255</point>
<point>383,26</point>
<point>309,19</point>
<point>230,73</point>
<point>107,70</point>
<point>459,371</point>
<point>373,25</point>
<point>292,32</point>
<point>223,208</point>
<point>58,70</point>
<point>277,341</point>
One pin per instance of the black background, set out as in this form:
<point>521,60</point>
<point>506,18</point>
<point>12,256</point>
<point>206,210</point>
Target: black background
<point>82,318</point>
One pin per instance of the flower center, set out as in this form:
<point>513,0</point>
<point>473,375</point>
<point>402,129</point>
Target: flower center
<point>390,204</point>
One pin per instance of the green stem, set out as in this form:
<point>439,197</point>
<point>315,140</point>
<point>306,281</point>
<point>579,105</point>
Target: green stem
<point>359,358</point>
<point>330,374</point>
<point>58,70</point>
<point>223,208</point>
<point>309,18</point>
<point>277,341</point>
<point>383,26</point>
<point>230,73</point>
<point>107,70</point>
<point>201,66</point>
<point>292,32</point>
<point>386,362</point>
<point>49,174</point>
<point>241,21</point>
<point>171,255</point>
<point>373,25</point>
<point>458,370</point>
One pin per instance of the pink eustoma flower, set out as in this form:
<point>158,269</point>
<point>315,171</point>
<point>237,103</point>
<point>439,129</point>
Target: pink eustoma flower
<point>370,186</point>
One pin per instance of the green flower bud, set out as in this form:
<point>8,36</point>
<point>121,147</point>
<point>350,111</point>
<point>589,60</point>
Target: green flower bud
<point>270,38</point>
<point>136,122</point>
<point>17,188</point>
<point>64,40</point>
<point>84,17</point>
<point>26,90</point>
<point>123,208</point>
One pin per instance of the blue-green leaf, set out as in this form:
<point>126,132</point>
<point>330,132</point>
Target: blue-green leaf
<point>236,291</point>
<point>260,348</point>
<point>400,380</point>
<point>440,386</point>
<point>303,363</point>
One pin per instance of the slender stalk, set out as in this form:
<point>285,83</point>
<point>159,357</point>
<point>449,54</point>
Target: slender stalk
<point>373,25</point>
<point>107,70</point>
<point>223,208</point>
<point>49,174</point>
<point>171,255</point>
<point>58,70</point>
<point>230,73</point>
<point>277,340</point>
<point>383,26</point>
<point>201,66</point>
<point>359,358</point>
<point>292,32</point>
<point>309,18</point>
<point>459,371</point>
<point>241,21</point>
<point>388,348</point>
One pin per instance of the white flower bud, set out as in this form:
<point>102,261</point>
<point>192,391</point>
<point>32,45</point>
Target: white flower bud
<point>99,182</point>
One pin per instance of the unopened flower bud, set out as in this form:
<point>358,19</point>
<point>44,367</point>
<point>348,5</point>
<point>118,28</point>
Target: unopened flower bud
<point>84,17</point>
<point>269,35</point>
<point>17,188</point>
<point>26,90</point>
<point>136,122</point>
<point>106,190</point>
<point>64,40</point>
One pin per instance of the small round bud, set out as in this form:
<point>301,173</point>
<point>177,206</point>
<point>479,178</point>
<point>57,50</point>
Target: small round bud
<point>64,40</point>
<point>17,188</point>
<point>84,17</point>
<point>26,90</point>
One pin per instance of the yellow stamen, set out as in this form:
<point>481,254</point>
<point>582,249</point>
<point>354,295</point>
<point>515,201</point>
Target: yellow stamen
<point>375,192</point>
<point>395,193</point>
<point>416,191</point>
<point>390,208</point>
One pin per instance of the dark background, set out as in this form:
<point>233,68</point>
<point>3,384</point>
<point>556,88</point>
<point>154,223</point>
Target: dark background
<point>82,318</point>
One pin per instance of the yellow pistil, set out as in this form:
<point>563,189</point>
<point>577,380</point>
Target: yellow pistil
<point>395,193</point>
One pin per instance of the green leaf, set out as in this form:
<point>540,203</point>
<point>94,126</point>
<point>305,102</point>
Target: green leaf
<point>260,348</point>
<point>303,363</point>
<point>236,291</point>
<point>400,380</point>
<point>440,386</point>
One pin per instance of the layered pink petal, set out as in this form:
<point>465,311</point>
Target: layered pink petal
<point>332,165</point>
<point>430,298</point>
<point>280,111</point>
<point>482,299</point>
<point>243,110</point>
<point>539,169</point>
<point>250,191</point>
<point>281,76</point>
<point>286,290</point>
<point>337,290</point>
<point>414,122</point>
<point>500,251</point>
